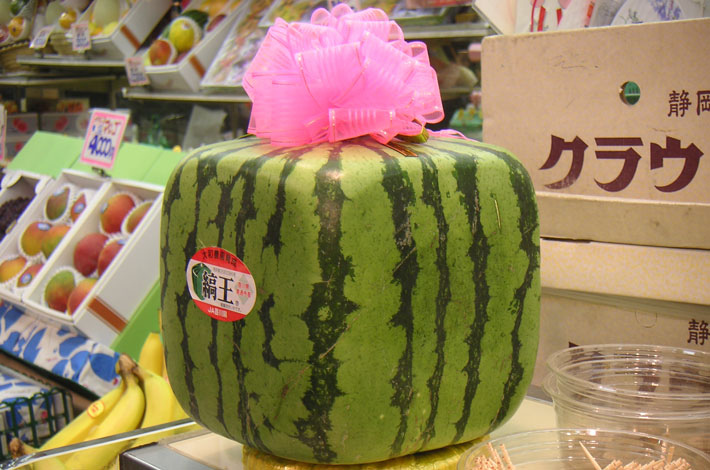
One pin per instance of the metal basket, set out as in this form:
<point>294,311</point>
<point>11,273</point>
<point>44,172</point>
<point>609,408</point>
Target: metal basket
<point>33,419</point>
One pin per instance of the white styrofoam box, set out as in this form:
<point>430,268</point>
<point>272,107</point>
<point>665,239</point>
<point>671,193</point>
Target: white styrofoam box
<point>132,30</point>
<point>187,74</point>
<point>22,124</point>
<point>92,185</point>
<point>128,279</point>
<point>21,184</point>
<point>120,289</point>
<point>73,124</point>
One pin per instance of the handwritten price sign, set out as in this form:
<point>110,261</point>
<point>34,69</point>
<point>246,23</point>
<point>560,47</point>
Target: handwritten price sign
<point>103,138</point>
<point>81,39</point>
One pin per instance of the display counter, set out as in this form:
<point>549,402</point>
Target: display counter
<point>204,450</point>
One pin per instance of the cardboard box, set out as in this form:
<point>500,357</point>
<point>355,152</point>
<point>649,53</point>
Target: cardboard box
<point>187,74</point>
<point>602,293</point>
<point>605,169</point>
<point>119,290</point>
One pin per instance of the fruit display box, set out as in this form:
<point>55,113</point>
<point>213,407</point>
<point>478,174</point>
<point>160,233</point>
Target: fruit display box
<point>237,51</point>
<point>110,266</point>
<point>595,292</point>
<point>40,232</point>
<point>612,142</point>
<point>132,29</point>
<point>72,124</point>
<point>22,124</point>
<point>187,73</point>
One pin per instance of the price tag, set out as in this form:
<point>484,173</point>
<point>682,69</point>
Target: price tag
<point>41,38</point>
<point>81,39</point>
<point>103,138</point>
<point>135,71</point>
<point>3,129</point>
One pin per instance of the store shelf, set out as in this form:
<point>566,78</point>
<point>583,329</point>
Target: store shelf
<point>55,61</point>
<point>448,31</point>
<point>239,96</point>
<point>195,97</point>
<point>39,79</point>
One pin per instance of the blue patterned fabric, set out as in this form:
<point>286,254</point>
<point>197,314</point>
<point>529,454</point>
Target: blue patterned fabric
<point>63,352</point>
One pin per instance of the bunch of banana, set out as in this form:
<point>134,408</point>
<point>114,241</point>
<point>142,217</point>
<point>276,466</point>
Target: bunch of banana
<point>142,399</point>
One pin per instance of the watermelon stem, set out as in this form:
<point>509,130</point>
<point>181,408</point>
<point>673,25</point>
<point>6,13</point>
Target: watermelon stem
<point>398,148</point>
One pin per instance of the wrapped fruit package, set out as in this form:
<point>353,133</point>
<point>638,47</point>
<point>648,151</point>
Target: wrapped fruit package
<point>337,288</point>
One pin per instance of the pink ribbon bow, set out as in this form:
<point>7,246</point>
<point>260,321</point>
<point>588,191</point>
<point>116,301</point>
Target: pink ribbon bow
<point>343,75</point>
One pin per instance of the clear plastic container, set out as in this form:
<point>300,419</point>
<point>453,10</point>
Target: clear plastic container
<point>561,449</point>
<point>657,390</point>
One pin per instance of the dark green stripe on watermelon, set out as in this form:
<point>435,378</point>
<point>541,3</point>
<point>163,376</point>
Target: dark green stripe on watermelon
<point>248,173</point>
<point>401,195</point>
<point>397,298</point>
<point>528,227</point>
<point>467,178</point>
<point>431,195</point>
<point>325,330</point>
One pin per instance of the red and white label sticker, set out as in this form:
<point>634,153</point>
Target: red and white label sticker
<point>220,284</point>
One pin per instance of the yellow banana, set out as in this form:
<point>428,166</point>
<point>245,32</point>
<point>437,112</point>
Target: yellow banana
<point>158,395</point>
<point>81,425</point>
<point>19,448</point>
<point>151,355</point>
<point>125,416</point>
<point>160,404</point>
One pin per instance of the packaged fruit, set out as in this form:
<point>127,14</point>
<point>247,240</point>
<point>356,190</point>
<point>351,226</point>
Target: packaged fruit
<point>108,253</point>
<point>16,20</point>
<point>53,237</point>
<point>59,288</point>
<point>87,251</point>
<point>78,206</point>
<point>131,221</point>
<point>115,210</point>
<point>79,293</point>
<point>10,211</point>
<point>57,206</point>
<point>28,275</point>
<point>11,267</point>
<point>32,237</point>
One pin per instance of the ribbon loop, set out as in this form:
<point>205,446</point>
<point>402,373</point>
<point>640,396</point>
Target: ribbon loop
<point>343,75</point>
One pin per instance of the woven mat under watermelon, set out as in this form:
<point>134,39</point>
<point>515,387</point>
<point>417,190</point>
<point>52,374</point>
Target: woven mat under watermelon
<point>446,458</point>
